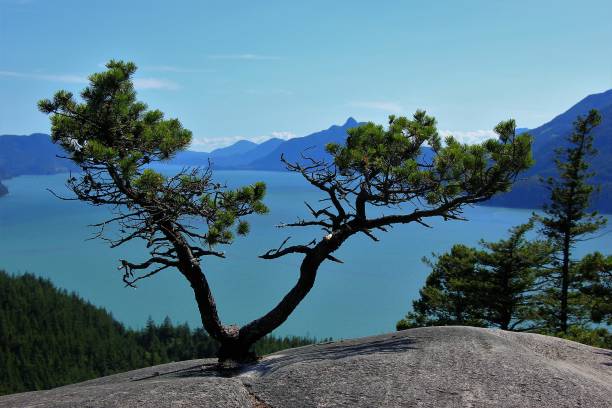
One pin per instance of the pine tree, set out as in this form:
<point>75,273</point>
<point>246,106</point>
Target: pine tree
<point>567,219</point>
<point>595,272</point>
<point>493,286</point>
<point>510,271</point>
<point>113,138</point>
<point>451,292</point>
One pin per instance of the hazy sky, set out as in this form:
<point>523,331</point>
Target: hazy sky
<point>255,69</point>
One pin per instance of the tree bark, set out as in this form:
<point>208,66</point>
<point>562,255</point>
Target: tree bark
<point>236,343</point>
<point>189,266</point>
<point>565,282</point>
<point>255,330</point>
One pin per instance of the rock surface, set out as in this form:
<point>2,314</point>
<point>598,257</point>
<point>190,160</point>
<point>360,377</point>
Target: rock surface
<point>427,367</point>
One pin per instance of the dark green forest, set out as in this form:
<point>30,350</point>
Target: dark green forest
<point>49,337</point>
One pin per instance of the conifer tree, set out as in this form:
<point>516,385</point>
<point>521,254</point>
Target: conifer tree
<point>595,276</point>
<point>510,270</point>
<point>451,295</point>
<point>567,219</point>
<point>493,286</point>
<point>113,138</point>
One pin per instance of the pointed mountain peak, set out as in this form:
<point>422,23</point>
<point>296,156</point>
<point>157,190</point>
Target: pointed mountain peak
<point>350,122</point>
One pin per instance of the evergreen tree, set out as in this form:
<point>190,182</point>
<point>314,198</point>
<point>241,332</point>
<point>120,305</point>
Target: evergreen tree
<point>451,295</point>
<point>113,138</point>
<point>510,272</point>
<point>567,218</point>
<point>595,276</point>
<point>493,286</point>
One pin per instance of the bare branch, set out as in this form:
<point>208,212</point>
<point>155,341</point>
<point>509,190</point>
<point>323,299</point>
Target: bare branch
<point>369,234</point>
<point>296,249</point>
<point>333,259</point>
<point>128,267</point>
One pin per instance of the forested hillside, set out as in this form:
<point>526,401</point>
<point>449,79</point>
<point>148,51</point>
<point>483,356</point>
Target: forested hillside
<point>49,337</point>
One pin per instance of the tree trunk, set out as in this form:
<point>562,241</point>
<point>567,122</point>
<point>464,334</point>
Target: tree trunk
<point>232,347</point>
<point>189,266</point>
<point>255,330</point>
<point>206,304</point>
<point>565,282</point>
<point>258,328</point>
<point>236,342</point>
<point>507,301</point>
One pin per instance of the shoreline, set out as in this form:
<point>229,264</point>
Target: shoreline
<point>487,205</point>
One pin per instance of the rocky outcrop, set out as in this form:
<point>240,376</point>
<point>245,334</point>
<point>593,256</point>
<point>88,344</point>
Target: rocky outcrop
<point>3,189</point>
<point>427,367</point>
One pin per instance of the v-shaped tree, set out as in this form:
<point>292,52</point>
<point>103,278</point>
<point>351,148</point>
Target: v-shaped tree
<point>404,168</point>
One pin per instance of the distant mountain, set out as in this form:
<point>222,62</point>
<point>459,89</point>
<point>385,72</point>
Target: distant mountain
<point>529,191</point>
<point>244,159</point>
<point>239,154</point>
<point>312,145</point>
<point>238,148</point>
<point>33,154</point>
<point>266,156</point>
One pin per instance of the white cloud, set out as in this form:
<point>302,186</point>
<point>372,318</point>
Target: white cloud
<point>251,57</point>
<point>55,78</point>
<point>174,69</point>
<point>207,144</point>
<point>470,136</point>
<point>155,83</point>
<point>387,106</point>
<point>139,83</point>
<point>285,135</point>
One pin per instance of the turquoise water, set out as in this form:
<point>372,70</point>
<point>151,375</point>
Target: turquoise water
<point>366,295</point>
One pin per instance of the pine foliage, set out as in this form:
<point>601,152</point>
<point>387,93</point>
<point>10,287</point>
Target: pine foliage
<point>488,286</point>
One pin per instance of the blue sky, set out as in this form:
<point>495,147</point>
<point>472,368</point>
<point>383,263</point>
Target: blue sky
<point>255,69</point>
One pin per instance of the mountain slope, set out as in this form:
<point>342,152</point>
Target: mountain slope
<point>243,159</point>
<point>529,192</point>
<point>312,145</point>
<point>266,156</point>
<point>235,156</point>
<point>238,148</point>
<point>33,154</point>
<point>49,337</point>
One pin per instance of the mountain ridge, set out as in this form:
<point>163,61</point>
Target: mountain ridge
<point>527,192</point>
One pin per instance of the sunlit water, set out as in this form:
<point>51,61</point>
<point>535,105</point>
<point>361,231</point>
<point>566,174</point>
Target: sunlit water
<point>366,295</point>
